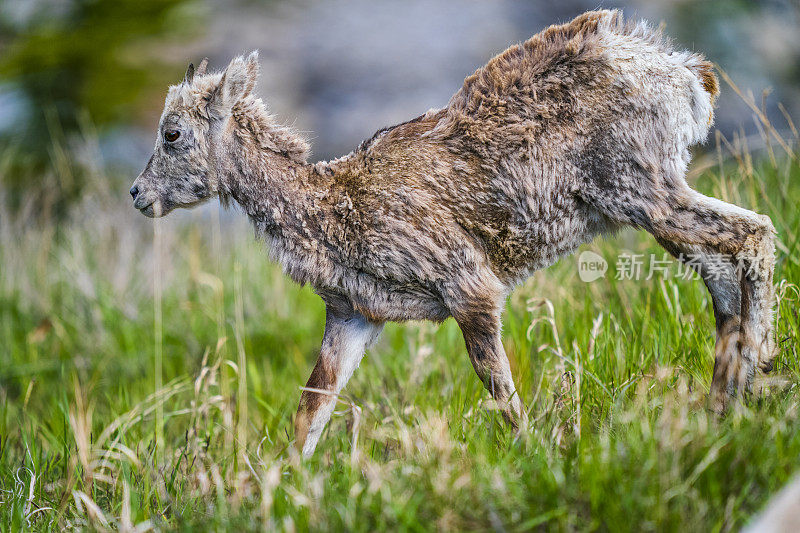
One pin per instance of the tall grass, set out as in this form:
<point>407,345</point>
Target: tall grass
<point>150,374</point>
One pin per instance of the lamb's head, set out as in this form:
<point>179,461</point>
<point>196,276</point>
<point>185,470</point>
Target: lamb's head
<point>183,170</point>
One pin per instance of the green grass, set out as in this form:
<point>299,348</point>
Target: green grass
<point>614,372</point>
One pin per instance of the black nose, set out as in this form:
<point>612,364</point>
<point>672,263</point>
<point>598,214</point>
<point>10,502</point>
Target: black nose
<point>134,191</point>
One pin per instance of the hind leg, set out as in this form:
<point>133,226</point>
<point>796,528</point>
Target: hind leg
<point>720,275</point>
<point>739,240</point>
<point>758,297</point>
<point>742,239</point>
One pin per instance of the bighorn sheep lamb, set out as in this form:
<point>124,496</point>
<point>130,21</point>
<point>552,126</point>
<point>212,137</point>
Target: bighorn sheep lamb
<point>580,130</point>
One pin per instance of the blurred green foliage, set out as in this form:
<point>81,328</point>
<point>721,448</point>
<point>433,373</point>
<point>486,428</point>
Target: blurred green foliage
<point>79,63</point>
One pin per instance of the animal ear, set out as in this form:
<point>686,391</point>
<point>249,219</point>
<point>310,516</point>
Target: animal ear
<point>189,74</point>
<point>201,68</point>
<point>238,81</point>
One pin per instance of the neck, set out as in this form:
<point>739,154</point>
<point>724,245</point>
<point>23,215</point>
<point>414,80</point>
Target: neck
<point>264,184</point>
<point>288,202</point>
<point>260,161</point>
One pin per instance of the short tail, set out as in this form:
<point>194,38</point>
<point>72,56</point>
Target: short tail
<point>705,91</point>
<point>705,71</point>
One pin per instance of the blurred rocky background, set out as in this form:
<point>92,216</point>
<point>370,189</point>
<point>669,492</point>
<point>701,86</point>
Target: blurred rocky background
<point>82,81</point>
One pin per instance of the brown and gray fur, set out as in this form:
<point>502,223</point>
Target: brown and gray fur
<point>577,132</point>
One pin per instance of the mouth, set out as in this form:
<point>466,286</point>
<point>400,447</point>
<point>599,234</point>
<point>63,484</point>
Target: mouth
<point>148,211</point>
<point>151,209</point>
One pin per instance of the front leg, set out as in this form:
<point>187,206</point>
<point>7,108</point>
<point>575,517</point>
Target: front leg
<point>481,331</point>
<point>347,335</point>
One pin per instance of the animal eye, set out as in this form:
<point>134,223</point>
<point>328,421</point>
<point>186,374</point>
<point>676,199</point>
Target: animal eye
<point>171,135</point>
